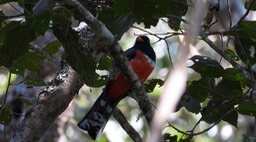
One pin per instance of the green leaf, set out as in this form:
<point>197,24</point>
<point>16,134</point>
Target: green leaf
<point>175,12</point>
<point>122,7</point>
<point>149,11</point>
<point>226,89</point>
<point>30,61</point>
<point>5,115</point>
<point>16,43</point>
<point>247,108</point>
<point>207,66</point>
<point>233,74</point>
<point>231,118</point>
<point>232,54</point>
<point>220,110</point>
<point>104,63</point>
<point>246,29</point>
<point>248,3</point>
<point>65,13</point>
<point>41,24</point>
<point>151,84</point>
<point>201,89</point>
<point>52,47</point>
<point>243,49</point>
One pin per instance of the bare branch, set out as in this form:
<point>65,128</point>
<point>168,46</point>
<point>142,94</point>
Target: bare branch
<point>134,135</point>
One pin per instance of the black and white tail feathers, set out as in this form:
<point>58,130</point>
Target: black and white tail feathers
<point>96,119</point>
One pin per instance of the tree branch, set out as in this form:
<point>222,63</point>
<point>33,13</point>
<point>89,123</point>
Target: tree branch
<point>134,135</point>
<point>52,101</point>
<point>106,39</point>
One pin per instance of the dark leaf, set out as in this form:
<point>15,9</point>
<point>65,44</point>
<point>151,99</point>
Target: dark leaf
<point>122,7</point>
<point>177,10</point>
<point>169,138</point>
<point>185,140</point>
<point>30,61</point>
<point>246,29</point>
<point>122,24</point>
<point>149,11</point>
<point>191,104</point>
<point>233,74</point>
<point>201,89</point>
<point>247,108</point>
<point>249,138</point>
<point>7,1</point>
<point>226,89</point>
<point>151,84</point>
<point>231,118</point>
<point>220,110</point>
<point>206,66</point>
<point>5,115</point>
<point>247,4</point>
<point>41,24</point>
<point>76,56</point>
<point>243,49</point>
<point>16,43</point>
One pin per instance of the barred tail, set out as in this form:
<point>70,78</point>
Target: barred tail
<point>96,119</point>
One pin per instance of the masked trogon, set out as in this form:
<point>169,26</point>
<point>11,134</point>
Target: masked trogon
<point>142,59</point>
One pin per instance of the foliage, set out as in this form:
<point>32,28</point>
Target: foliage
<point>219,95</point>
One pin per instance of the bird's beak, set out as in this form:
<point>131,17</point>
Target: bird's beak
<point>139,39</point>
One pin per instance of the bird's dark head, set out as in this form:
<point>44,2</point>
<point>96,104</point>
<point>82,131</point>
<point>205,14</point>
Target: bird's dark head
<point>142,43</point>
<point>143,39</point>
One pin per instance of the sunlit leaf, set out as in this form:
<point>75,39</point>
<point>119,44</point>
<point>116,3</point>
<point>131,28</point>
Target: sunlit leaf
<point>52,47</point>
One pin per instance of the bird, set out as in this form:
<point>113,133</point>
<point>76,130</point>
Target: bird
<point>141,57</point>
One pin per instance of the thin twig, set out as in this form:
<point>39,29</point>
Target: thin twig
<point>168,51</point>
<point>191,133</point>
<point>225,56</point>
<point>15,8</point>
<point>244,16</point>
